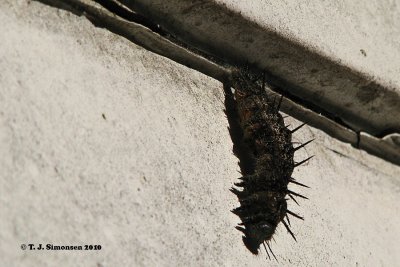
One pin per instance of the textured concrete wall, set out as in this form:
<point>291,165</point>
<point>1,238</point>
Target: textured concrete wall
<point>364,35</point>
<point>103,142</point>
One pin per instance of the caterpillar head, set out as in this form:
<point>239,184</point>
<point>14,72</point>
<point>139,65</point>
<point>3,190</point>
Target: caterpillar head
<point>256,234</point>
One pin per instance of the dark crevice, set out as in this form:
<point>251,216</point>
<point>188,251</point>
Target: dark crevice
<point>127,14</point>
<point>387,132</point>
<point>357,145</point>
<point>214,57</point>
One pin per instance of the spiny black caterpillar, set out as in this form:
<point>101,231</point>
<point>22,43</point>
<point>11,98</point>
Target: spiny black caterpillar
<point>264,146</point>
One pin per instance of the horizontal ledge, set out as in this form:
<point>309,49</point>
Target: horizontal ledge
<point>154,42</point>
<point>356,98</point>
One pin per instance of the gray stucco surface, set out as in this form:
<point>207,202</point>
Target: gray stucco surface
<point>338,29</point>
<point>150,180</point>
